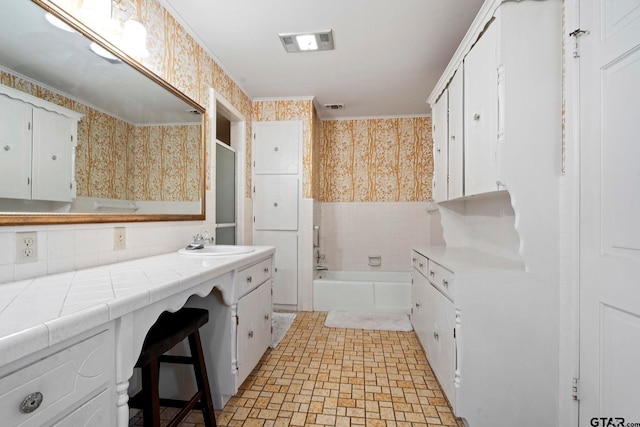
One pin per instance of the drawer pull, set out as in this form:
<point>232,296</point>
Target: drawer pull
<point>266,317</point>
<point>266,269</point>
<point>250,334</point>
<point>445,283</point>
<point>417,304</point>
<point>432,273</point>
<point>421,265</point>
<point>436,336</point>
<point>413,259</point>
<point>31,402</point>
<point>249,279</point>
<point>7,147</point>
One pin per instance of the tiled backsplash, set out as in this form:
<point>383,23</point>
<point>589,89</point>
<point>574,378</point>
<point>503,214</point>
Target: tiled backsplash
<point>350,232</point>
<point>69,247</point>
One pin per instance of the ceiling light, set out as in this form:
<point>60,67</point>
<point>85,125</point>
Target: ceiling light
<point>58,23</point>
<point>307,42</point>
<point>104,53</point>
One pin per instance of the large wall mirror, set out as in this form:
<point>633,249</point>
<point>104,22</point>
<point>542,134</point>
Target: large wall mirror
<point>86,136</point>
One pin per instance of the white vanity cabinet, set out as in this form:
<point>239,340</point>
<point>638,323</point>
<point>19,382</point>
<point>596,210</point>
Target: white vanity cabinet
<point>69,385</point>
<point>237,334</point>
<point>482,322</point>
<point>37,148</point>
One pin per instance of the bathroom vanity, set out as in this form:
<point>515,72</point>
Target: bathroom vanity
<point>69,342</point>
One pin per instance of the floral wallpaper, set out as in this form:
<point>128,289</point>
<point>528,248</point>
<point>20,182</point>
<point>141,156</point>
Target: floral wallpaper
<point>376,160</point>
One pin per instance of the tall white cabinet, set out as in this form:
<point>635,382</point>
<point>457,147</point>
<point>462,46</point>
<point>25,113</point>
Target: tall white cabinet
<point>485,306</point>
<point>277,178</point>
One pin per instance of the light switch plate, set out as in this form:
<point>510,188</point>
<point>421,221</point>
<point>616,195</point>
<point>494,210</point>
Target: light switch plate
<point>119,239</point>
<point>26,247</point>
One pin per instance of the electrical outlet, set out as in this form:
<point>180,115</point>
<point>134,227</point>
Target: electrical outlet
<point>119,239</point>
<point>26,247</point>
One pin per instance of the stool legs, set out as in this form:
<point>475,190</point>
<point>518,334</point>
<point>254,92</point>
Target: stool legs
<point>151,396</point>
<point>195,345</point>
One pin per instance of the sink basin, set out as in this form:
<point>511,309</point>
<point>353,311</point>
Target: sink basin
<point>218,250</point>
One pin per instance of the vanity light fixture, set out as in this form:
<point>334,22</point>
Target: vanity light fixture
<point>111,18</point>
<point>307,42</point>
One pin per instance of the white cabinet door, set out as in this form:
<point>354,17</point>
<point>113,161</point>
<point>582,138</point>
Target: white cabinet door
<point>456,136</point>
<point>420,310</point>
<point>276,146</point>
<point>15,149</point>
<point>481,114</point>
<point>285,280</point>
<point>276,202</point>
<point>97,412</point>
<point>254,328</point>
<point>442,356</point>
<point>440,136</point>
<point>52,151</point>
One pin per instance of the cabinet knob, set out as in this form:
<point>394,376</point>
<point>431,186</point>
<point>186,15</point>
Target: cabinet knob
<point>438,150</point>
<point>266,269</point>
<point>413,259</point>
<point>445,283</point>
<point>249,279</point>
<point>432,273</point>
<point>250,334</point>
<point>266,317</point>
<point>476,117</point>
<point>453,137</point>
<point>436,336</point>
<point>54,157</point>
<point>7,147</point>
<point>275,204</point>
<point>275,148</point>
<point>31,402</point>
<point>421,265</point>
<point>417,304</point>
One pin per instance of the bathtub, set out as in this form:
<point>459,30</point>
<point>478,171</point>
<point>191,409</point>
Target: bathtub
<point>362,291</point>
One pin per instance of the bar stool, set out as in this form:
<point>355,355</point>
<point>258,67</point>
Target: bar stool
<point>169,330</point>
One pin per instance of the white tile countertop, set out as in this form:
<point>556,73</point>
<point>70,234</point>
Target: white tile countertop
<point>41,312</point>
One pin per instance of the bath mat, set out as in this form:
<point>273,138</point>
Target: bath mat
<point>376,321</point>
<point>281,323</point>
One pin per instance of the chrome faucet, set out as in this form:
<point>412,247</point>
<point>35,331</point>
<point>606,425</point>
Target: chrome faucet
<point>203,238</point>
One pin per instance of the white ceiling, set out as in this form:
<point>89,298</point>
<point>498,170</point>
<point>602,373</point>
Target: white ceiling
<point>388,54</point>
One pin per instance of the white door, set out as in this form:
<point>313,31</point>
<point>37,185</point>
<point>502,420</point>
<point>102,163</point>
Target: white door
<point>15,149</point>
<point>610,212</point>
<point>52,149</point>
<point>480,114</point>
<point>456,136</point>
<point>285,280</point>
<point>276,202</point>
<point>276,147</point>
<point>440,136</point>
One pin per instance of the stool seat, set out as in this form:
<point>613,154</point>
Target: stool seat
<point>169,330</point>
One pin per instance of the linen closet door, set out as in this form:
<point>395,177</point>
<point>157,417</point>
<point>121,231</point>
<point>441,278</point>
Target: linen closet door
<point>276,198</point>
<point>609,212</point>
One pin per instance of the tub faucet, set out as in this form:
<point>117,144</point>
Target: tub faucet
<point>322,268</point>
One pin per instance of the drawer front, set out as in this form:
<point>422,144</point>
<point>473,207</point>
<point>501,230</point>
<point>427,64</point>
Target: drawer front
<point>95,413</point>
<point>442,279</point>
<point>253,276</point>
<point>62,380</point>
<point>420,263</point>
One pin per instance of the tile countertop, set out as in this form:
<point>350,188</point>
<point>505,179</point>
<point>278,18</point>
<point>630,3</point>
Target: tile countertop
<point>40,312</point>
<point>467,259</point>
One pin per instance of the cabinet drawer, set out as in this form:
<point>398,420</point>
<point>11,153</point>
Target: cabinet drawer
<point>442,279</point>
<point>251,277</point>
<point>63,380</point>
<point>420,263</point>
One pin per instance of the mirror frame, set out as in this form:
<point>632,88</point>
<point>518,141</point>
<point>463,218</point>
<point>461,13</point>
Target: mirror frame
<point>49,218</point>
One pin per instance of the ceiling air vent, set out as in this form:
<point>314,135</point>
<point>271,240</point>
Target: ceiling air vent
<point>307,42</point>
<point>334,106</point>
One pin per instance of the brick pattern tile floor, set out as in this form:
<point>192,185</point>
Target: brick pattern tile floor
<point>319,376</point>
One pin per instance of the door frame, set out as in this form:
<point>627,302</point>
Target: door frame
<point>569,215</point>
<point>219,104</point>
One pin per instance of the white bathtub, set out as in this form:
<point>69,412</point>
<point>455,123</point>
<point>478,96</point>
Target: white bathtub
<point>362,291</point>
